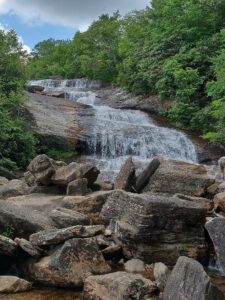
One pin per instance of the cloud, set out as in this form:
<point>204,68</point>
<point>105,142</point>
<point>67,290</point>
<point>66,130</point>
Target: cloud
<point>71,13</point>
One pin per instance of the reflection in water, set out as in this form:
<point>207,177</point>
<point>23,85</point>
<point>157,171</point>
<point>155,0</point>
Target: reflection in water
<point>44,294</point>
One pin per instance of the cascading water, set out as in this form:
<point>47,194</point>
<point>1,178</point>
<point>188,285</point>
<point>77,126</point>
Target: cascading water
<point>117,134</point>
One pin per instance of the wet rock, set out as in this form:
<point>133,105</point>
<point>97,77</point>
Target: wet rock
<point>180,177</point>
<point>189,281</point>
<point>77,187</point>
<point>7,246</point>
<point>3,181</point>
<point>29,178</point>
<point>64,175</point>
<point>134,265</point>
<point>13,284</point>
<point>57,236</point>
<point>144,177</point>
<point>70,264</point>
<point>89,205</point>
<point>27,247</point>
<point>125,180</point>
<point>161,274</point>
<point>156,228</point>
<point>206,203</point>
<point>64,217</point>
<point>219,201</point>
<point>215,228</point>
<point>14,188</point>
<point>42,169</point>
<point>118,286</point>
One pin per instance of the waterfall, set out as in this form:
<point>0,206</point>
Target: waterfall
<point>117,134</point>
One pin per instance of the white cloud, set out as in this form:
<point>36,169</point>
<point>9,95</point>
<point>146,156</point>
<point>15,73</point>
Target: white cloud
<point>72,13</point>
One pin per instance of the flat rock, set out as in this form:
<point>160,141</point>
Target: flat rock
<point>189,281</point>
<point>89,205</point>
<point>125,180</point>
<point>64,217</point>
<point>118,286</point>
<point>7,246</point>
<point>69,264</point>
<point>155,227</point>
<point>13,284</point>
<point>51,237</point>
<point>215,228</point>
<point>174,177</point>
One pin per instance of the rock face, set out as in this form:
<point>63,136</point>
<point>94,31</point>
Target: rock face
<point>89,205</point>
<point>41,168</point>
<point>7,246</point>
<point>179,177</point>
<point>77,187</point>
<point>118,286</point>
<point>13,284</point>
<point>14,188</point>
<point>189,281</point>
<point>64,217</point>
<point>156,228</point>
<point>216,232</point>
<point>70,264</point>
<point>52,237</point>
<point>125,180</point>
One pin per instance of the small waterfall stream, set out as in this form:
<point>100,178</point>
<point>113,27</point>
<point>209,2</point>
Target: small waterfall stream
<point>117,134</point>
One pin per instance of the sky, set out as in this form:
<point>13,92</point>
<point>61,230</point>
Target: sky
<point>36,20</point>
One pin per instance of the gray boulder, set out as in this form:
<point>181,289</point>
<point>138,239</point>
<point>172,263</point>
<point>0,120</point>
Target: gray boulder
<point>14,188</point>
<point>156,228</point>
<point>27,247</point>
<point>3,181</point>
<point>161,274</point>
<point>189,281</point>
<point>125,180</point>
<point>64,175</point>
<point>77,187</point>
<point>7,246</point>
<point>13,284</point>
<point>118,286</point>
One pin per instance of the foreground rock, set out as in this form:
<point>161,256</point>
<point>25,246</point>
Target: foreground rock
<point>64,217</point>
<point>216,232</point>
<point>13,284</point>
<point>7,246</point>
<point>7,174</point>
<point>125,180</point>
<point>51,237</point>
<point>89,205</point>
<point>189,281</point>
<point>179,177</point>
<point>118,286</point>
<point>155,227</point>
<point>14,188</point>
<point>69,264</point>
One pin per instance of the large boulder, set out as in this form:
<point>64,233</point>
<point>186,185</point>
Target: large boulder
<point>14,188</point>
<point>126,178</point>
<point>57,236</point>
<point>118,286</point>
<point>90,172</point>
<point>189,281</point>
<point>179,177</point>
<point>156,228</point>
<point>215,228</point>
<point>77,187</point>
<point>89,205</point>
<point>42,168</point>
<point>7,246</point>
<point>69,264</point>
<point>64,217</point>
<point>64,175</point>
<point>13,284</point>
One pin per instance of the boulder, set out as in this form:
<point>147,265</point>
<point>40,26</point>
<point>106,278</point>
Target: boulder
<point>219,201</point>
<point>13,284</point>
<point>155,227</point>
<point>77,187</point>
<point>29,178</point>
<point>7,246</point>
<point>69,264</point>
<point>64,175</point>
<point>3,181</point>
<point>206,203</point>
<point>35,88</point>
<point>14,188</point>
<point>7,174</point>
<point>64,217</point>
<point>215,228</point>
<point>135,265</point>
<point>161,274</point>
<point>125,180</point>
<point>27,247</point>
<point>90,172</point>
<point>42,169</point>
<point>57,236</point>
<point>103,186</point>
<point>179,177</point>
<point>189,281</point>
<point>89,205</point>
<point>118,286</point>
<point>144,176</point>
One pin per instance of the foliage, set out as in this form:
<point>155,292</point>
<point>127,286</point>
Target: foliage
<point>8,231</point>
<point>60,154</point>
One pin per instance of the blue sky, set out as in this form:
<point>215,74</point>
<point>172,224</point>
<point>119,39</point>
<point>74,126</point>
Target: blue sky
<point>36,20</point>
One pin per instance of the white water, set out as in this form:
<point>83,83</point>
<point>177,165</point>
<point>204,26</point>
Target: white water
<point>117,134</point>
